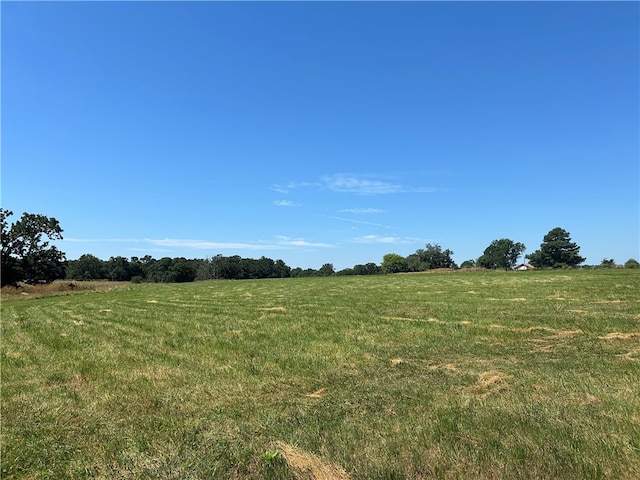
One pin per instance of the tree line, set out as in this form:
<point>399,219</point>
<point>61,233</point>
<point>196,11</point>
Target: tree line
<point>27,256</point>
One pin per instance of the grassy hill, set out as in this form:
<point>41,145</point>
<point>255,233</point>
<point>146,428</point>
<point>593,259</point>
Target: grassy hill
<point>466,375</point>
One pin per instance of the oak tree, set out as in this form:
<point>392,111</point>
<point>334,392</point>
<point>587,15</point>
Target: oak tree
<point>26,253</point>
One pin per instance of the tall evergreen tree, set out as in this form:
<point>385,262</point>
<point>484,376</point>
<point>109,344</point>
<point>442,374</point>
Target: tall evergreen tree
<point>556,251</point>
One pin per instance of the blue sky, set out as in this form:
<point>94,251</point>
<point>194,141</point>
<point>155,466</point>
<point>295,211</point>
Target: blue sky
<point>319,132</point>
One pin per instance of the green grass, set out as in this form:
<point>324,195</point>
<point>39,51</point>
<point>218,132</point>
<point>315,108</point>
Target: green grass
<point>465,375</point>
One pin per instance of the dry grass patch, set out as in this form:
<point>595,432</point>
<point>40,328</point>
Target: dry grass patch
<point>321,392</point>
<point>632,355</point>
<point>451,367</point>
<point>582,399</point>
<point>397,361</point>
<point>556,333</point>
<point>619,336</point>
<point>307,466</point>
<point>58,287</point>
<point>488,383</point>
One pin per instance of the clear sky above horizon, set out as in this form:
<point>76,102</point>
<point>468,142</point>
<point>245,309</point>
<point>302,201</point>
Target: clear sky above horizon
<point>317,132</point>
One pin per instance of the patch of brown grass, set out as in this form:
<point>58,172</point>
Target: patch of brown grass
<point>307,466</point>
<point>556,333</point>
<point>58,287</point>
<point>451,367</point>
<point>539,328</point>
<point>273,309</point>
<point>619,336</point>
<point>317,394</point>
<point>632,355</point>
<point>488,383</point>
<point>582,399</point>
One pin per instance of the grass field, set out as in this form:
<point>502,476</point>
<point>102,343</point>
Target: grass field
<point>479,375</point>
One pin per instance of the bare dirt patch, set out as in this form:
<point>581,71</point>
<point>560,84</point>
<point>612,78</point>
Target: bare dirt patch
<point>273,309</point>
<point>307,466</point>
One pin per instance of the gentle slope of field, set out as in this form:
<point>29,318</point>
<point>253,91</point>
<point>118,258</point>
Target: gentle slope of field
<point>465,375</point>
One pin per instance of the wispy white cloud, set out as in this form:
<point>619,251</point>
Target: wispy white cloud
<point>360,186</point>
<point>207,245</point>
<point>102,240</point>
<point>288,187</point>
<point>351,183</point>
<point>300,242</point>
<point>285,203</point>
<point>384,239</point>
<point>279,242</point>
<point>361,210</point>
<point>351,220</point>
<point>280,188</point>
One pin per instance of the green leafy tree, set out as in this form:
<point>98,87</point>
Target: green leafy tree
<point>87,267</point>
<point>157,271</point>
<point>394,263</point>
<point>281,269</point>
<point>327,270</point>
<point>608,263</point>
<point>556,251</point>
<point>26,253</point>
<point>118,269</point>
<point>632,263</point>
<point>368,269</point>
<point>468,264</point>
<point>431,257</point>
<point>501,253</point>
<point>345,271</point>
<point>181,270</point>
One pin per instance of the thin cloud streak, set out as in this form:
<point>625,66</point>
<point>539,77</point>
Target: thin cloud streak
<point>285,203</point>
<point>349,183</point>
<point>361,210</point>
<point>206,245</point>
<point>101,240</point>
<point>360,186</point>
<point>350,220</point>
<point>300,242</point>
<point>281,243</point>
<point>374,239</point>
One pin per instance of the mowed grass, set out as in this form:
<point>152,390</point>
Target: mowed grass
<point>478,375</point>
